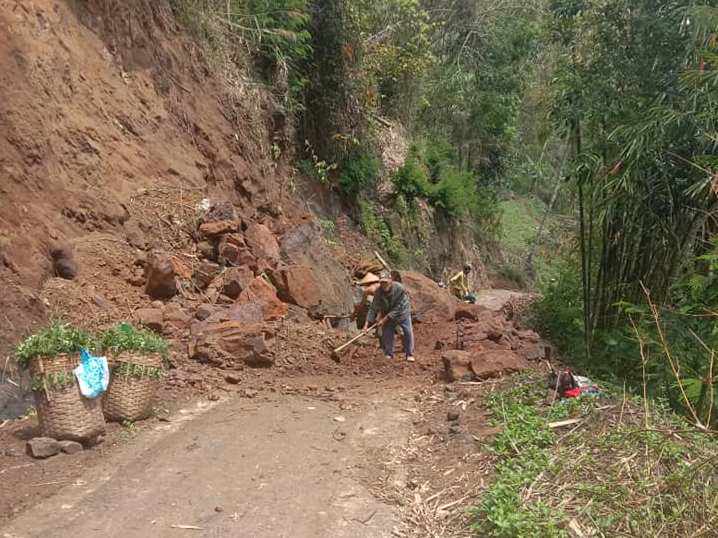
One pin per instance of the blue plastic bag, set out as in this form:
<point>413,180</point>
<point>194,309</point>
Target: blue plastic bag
<point>92,375</point>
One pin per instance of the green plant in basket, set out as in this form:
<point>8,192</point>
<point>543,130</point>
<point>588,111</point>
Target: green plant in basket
<point>127,339</point>
<point>55,339</point>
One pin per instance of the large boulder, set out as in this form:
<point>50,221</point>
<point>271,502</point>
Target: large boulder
<point>303,246</point>
<point>479,365</point>
<point>297,284</point>
<point>160,282</point>
<point>457,365</point>
<point>490,364</point>
<point>262,243</point>
<point>228,343</point>
<point>261,292</point>
<point>429,302</point>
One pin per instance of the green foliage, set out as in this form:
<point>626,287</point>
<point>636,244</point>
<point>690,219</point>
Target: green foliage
<point>315,167</point>
<point>429,172</point>
<point>53,381</point>
<point>274,33</point>
<point>282,27</point>
<point>53,340</point>
<point>410,181</point>
<point>613,475</point>
<point>126,338</point>
<point>522,450</point>
<point>138,371</point>
<point>358,173</point>
<point>378,231</point>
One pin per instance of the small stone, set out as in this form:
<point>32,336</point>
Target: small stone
<point>206,250</point>
<point>218,509</point>
<point>160,280</point>
<point>63,262</point>
<point>71,447</point>
<point>213,397</point>
<point>157,304</point>
<point>232,379</point>
<point>452,416</point>
<point>218,227</point>
<point>204,311</point>
<point>43,447</point>
<point>339,419</point>
<point>454,429</point>
<point>151,318</point>
<point>249,393</point>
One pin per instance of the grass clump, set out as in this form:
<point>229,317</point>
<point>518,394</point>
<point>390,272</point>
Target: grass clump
<point>629,468</point>
<point>56,339</point>
<point>125,338</point>
<point>522,451</point>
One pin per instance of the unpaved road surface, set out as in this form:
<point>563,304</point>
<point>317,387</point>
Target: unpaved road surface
<point>279,466</point>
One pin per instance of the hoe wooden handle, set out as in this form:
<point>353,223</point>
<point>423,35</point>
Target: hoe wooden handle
<point>357,337</point>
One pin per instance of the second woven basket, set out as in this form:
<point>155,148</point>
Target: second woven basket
<point>134,380</point>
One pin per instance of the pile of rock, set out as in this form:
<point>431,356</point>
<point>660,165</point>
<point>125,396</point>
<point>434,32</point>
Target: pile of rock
<point>246,279</point>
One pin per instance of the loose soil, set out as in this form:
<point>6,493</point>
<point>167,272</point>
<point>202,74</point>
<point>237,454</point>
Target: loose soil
<point>303,459</point>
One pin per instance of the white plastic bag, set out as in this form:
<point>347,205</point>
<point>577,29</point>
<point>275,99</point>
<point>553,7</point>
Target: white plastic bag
<point>93,375</point>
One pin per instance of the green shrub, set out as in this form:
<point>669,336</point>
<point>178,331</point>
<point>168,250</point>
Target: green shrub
<point>359,173</point>
<point>439,155</point>
<point>53,340</point>
<point>376,229</point>
<point>126,338</point>
<point>410,181</point>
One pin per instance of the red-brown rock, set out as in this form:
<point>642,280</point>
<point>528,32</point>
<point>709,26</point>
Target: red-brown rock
<point>491,364</point>
<point>262,243</point>
<point>160,280</point>
<point>205,273</point>
<point>175,316</point>
<point>230,247</point>
<point>480,365</point>
<point>297,284</point>
<point>218,227</point>
<point>263,293</point>
<point>151,318</point>
<point>429,302</point>
<point>182,269</point>
<point>231,341</point>
<point>235,280</point>
<point>457,365</point>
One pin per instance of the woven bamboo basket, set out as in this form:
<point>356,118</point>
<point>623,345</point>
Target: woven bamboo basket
<point>129,397</point>
<point>63,412</point>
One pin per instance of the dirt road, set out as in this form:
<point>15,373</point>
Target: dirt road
<point>279,466</point>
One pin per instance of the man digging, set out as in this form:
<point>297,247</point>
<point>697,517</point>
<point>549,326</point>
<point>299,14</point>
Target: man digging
<point>391,308</point>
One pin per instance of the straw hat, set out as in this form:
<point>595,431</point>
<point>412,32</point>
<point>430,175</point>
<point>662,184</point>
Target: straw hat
<point>369,278</point>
